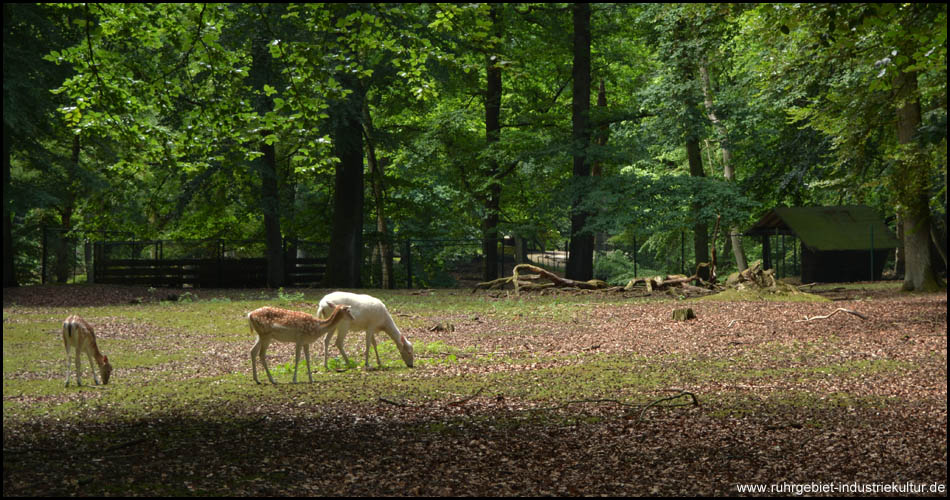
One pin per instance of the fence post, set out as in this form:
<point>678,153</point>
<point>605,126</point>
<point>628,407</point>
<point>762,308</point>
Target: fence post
<point>797,267</point>
<point>783,256</point>
<point>43,259</point>
<point>408,263</point>
<point>500,242</point>
<point>219,266</point>
<point>682,252</point>
<point>872,252</point>
<point>89,263</point>
<point>777,260</point>
<point>635,250</point>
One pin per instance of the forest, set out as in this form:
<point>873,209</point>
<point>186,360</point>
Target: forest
<point>573,126</point>
<point>404,146</point>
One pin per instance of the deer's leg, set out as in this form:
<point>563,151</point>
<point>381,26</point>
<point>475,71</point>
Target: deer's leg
<point>264,362</point>
<point>376,351</point>
<point>339,345</point>
<point>296,360</point>
<point>93,366</point>
<point>78,373</point>
<point>69,372</point>
<point>306,352</point>
<point>254,353</point>
<point>326,349</point>
<point>371,342</point>
<point>262,352</point>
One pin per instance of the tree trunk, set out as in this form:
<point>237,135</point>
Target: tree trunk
<point>602,132</point>
<point>383,248</point>
<point>62,247</point>
<point>492,202</point>
<point>602,135</point>
<point>260,75</point>
<point>580,264</point>
<point>899,264</point>
<point>918,272</point>
<point>700,229</point>
<point>346,240</point>
<point>64,251</point>
<point>727,167</point>
<point>270,204</point>
<point>9,272</point>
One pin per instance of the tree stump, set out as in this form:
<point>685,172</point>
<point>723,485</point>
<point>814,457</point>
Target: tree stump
<point>683,314</point>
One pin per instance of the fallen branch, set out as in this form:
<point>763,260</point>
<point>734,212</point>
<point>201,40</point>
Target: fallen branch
<point>466,399</point>
<point>526,281</point>
<point>676,396</point>
<point>849,311</point>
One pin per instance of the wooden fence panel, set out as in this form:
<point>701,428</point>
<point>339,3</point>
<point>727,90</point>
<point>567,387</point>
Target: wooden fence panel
<point>305,272</point>
<point>206,273</point>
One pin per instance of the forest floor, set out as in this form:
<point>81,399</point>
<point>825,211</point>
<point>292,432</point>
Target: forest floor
<point>555,394</point>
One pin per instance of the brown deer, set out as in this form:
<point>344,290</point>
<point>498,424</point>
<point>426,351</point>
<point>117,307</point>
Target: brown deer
<point>282,325</point>
<point>78,334</point>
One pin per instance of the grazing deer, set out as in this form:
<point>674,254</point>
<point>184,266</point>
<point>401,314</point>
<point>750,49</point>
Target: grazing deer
<point>371,316</point>
<point>282,325</point>
<point>78,334</point>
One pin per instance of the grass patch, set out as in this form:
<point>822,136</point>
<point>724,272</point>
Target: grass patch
<point>150,343</point>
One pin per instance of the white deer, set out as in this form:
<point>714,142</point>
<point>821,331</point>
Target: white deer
<point>370,315</point>
<point>78,334</point>
<point>282,325</point>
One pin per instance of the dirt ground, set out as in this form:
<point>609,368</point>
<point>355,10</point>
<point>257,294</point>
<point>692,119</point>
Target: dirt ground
<point>854,435</point>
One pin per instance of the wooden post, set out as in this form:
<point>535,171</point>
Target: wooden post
<point>43,261</point>
<point>408,258</point>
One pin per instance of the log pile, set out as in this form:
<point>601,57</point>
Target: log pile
<point>758,279</point>
<point>526,277</point>
<point>679,284</point>
<point>530,278</point>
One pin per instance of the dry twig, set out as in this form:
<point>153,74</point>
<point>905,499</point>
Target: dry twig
<point>675,396</point>
<point>849,311</point>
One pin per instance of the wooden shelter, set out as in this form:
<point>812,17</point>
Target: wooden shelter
<point>847,243</point>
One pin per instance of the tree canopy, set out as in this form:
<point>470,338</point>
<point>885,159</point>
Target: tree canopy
<point>362,124</point>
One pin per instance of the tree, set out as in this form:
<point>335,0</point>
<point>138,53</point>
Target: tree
<point>913,165</point>
<point>493,92</point>
<point>864,63</point>
<point>346,241</point>
<point>273,121</point>
<point>30,31</point>
<point>383,246</point>
<point>580,265</point>
<point>727,166</point>
<point>261,76</point>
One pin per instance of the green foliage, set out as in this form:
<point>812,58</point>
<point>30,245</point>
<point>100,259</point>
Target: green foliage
<point>150,119</point>
<point>834,66</point>
<point>289,296</point>
<point>614,267</point>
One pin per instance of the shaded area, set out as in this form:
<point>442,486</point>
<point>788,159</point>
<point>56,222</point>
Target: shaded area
<point>488,446</point>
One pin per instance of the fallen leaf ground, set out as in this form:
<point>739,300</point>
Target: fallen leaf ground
<point>544,397</point>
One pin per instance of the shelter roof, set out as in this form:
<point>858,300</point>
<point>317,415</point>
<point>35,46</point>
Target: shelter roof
<point>828,228</point>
